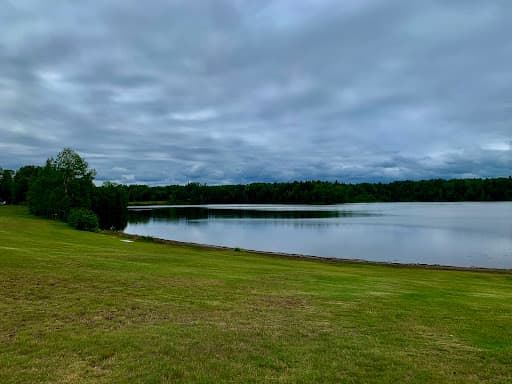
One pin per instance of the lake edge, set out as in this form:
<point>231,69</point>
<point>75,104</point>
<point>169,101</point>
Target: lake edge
<point>305,257</point>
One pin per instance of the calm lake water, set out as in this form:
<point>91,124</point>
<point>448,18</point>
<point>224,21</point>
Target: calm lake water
<point>457,234</point>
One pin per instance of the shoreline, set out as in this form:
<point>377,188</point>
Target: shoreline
<point>298,256</point>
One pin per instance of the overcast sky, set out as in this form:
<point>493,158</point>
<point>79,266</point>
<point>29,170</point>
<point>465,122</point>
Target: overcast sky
<point>164,92</point>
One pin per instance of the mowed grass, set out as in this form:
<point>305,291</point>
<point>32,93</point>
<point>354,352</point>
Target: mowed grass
<point>79,307</point>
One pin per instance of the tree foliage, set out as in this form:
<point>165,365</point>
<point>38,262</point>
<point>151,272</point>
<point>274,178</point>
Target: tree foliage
<point>109,203</point>
<point>61,185</point>
<point>6,186</point>
<point>46,194</point>
<point>22,180</point>
<point>64,186</point>
<point>66,183</point>
<point>83,219</point>
<point>322,192</point>
<point>72,167</point>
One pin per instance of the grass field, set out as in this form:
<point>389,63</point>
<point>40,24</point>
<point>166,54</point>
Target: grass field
<point>79,307</point>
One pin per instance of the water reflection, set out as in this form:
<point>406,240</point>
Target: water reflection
<point>460,234</point>
<point>188,213</point>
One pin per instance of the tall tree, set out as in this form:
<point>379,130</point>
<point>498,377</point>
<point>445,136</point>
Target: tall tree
<point>22,180</point>
<point>73,168</point>
<point>60,185</point>
<point>6,185</point>
<point>110,203</point>
<point>45,194</point>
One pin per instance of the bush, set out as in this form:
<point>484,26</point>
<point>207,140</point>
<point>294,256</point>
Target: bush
<point>83,219</point>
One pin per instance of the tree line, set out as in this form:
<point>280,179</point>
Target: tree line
<point>63,189</point>
<point>322,192</point>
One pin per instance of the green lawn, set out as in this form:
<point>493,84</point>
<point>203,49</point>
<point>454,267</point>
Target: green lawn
<point>79,307</point>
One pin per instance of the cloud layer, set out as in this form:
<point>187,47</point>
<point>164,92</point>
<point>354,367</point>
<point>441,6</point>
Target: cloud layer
<point>163,92</point>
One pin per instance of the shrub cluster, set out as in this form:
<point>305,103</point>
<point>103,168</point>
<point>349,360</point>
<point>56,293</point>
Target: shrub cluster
<point>83,219</point>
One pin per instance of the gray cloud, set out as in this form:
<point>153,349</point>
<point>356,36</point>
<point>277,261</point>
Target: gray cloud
<point>232,91</point>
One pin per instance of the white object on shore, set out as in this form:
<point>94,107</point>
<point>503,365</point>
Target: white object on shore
<point>127,241</point>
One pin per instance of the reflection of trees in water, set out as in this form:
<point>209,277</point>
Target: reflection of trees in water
<point>195,214</point>
<point>310,223</point>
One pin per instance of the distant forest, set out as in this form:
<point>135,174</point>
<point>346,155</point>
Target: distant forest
<point>57,187</point>
<point>322,192</point>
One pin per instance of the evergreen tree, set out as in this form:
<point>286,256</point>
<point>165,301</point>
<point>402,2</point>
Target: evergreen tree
<point>22,180</point>
<point>6,186</point>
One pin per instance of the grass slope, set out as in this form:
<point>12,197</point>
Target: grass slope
<point>79,307</point>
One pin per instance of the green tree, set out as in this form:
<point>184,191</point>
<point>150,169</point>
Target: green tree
<point>45,195</point>
<point>60,185</point>
<point>110,203</point>
<point>6,186</point>
<point>73,168</point>
<point>22,180</point>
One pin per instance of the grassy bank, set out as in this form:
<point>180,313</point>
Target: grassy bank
<point>79,307</point>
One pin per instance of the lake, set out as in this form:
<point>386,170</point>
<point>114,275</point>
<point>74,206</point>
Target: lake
<point>463,234</point>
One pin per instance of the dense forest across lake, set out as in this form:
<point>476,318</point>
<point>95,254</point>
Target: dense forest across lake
<point>64,189</point>
<point>16,185</point>
<point>322,192</point>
